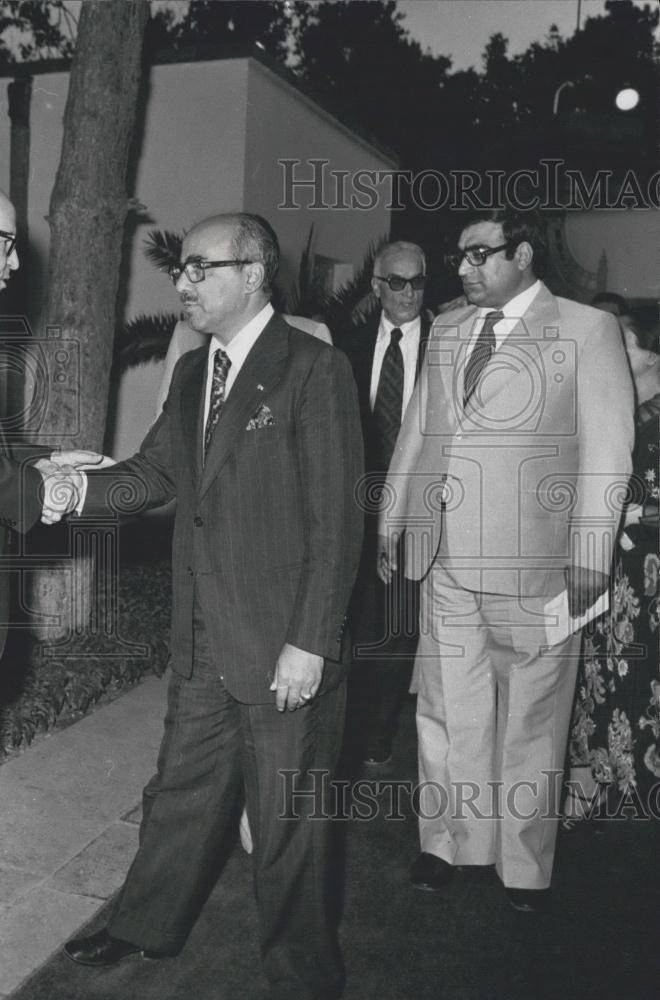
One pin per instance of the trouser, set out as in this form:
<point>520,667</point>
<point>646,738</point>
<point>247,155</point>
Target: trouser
<point>493,712</point>
<point>384,633</point>
<point>212,746</point>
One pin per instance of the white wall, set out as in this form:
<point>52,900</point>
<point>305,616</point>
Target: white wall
<point>630,241</point>
<point>282,123</point>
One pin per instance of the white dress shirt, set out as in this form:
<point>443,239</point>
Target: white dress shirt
<point>409,344</point>
<point>237,350</point>
<point>512,311</point>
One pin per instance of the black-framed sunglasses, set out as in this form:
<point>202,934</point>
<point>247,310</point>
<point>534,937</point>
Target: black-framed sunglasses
<point>476,256</point>
<point>397,283</point>
<point>194,269</point>
<point>11,241</point>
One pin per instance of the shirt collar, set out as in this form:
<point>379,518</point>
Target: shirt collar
<point>240,346</point>
<point>517,306</point>
<point>386,327</point>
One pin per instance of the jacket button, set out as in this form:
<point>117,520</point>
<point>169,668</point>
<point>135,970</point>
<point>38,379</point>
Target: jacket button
<point>189,571</point>
<point>198,521</point>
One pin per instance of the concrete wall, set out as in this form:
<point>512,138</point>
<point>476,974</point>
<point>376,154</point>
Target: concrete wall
<point>283,124</point>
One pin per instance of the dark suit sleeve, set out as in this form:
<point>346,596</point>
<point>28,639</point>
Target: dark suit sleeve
<point>139,483</point>
<point>20,494</point>
<point>330,461</point>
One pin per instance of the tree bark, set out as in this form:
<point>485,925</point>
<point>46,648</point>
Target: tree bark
<point>88,210</point>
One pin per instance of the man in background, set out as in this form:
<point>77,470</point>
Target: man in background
<point>386,354</point>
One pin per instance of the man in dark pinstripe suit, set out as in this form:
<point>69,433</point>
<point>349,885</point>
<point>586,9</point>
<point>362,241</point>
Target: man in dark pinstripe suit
<point>262,450</point>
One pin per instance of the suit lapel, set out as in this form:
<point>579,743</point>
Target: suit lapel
<point>260,372</point>
<point>191,401</point>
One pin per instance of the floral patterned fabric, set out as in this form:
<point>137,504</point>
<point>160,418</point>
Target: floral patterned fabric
<point>616,723</point>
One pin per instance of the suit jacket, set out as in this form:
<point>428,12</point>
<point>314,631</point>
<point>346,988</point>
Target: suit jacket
<point>266,528</point>
<point>531,475</point>
<point>20,508</point>
<point>359,347</point>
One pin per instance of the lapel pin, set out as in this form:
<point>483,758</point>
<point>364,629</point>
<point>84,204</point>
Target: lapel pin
<point>260,387</point>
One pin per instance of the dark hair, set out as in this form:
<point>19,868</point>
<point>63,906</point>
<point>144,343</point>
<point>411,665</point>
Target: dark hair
<point>254,239</point>
<point>518,226</point>
<point>601,298</point>
<point>645,329</point>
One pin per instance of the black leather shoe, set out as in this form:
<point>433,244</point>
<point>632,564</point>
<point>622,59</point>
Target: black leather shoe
<point>430,873</point>
<point>100,949</point>
<point>378,753</point>
<point>528,900</point>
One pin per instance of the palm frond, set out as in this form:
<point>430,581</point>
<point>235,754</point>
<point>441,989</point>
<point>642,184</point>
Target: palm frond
<point>143,339</point>
<point>163,248</point>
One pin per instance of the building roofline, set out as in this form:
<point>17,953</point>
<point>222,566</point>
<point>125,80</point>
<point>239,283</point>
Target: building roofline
<point>208,52</point>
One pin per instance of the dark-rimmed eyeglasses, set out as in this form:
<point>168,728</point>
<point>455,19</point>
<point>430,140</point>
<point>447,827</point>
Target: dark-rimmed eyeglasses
<point>10,239</point>
<point>476,256</point>
<point>194,269</point>
<point>397,282</point>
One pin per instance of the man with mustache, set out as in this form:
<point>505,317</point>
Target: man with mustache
<point>507,476</point>
<point>259,443</point>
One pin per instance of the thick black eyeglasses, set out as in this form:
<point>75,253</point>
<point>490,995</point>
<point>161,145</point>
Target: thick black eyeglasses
<point>194,269</point>
<point>475,256</point>
<point>397,283</point>
<point>10,239</point>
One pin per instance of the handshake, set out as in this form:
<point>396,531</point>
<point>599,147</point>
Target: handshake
<point>64,481</point>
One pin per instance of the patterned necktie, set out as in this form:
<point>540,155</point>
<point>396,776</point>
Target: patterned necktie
<point>389,400</point>
<point>480,354</point>
<point>221,366</point>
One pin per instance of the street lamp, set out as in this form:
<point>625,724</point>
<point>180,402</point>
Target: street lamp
<point>627,99</point>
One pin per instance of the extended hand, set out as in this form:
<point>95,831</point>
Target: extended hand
<point>82,459</point>
<point>63,488</point>
<point>297,677</point>
<point>386,559</point>
<point>584,588</point>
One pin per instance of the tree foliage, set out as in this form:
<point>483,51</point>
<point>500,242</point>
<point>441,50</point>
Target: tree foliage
<point>35,29</point>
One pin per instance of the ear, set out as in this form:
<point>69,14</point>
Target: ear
<point>254,276</point>
<point>375,288</point>
<point>524,255</point>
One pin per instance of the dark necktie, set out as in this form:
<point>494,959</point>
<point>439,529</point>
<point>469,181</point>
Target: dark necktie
<point>389,400</point>
<point>480,354</point>
<point>221,366</point>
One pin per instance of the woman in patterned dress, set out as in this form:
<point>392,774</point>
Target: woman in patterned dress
<point>615,735</point>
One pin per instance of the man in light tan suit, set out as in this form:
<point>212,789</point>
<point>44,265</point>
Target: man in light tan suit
<point>508,477</point>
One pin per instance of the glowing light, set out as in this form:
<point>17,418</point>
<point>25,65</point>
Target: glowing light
<point>627,99</point>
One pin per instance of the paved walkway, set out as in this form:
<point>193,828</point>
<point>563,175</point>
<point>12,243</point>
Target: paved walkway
<point>69,809</point>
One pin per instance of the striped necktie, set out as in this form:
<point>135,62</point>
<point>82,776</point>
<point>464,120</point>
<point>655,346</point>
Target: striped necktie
<point>389,400</point>
<point>221,366</point>
<point>480,354</point>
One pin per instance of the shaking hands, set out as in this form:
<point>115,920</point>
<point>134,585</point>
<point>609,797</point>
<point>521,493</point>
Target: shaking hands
<point>64,481</point>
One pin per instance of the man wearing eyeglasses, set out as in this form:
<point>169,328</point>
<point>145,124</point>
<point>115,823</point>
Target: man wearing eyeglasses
<point>386,354</point>
<point>508,476</point>
<point>259,443</point>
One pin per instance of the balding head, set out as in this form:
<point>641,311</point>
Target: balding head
<point>8,255</point>
<point>394,261</point>
<point>228,297</point>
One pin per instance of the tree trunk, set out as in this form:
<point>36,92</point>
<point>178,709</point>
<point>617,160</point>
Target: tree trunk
<point>88,210</point>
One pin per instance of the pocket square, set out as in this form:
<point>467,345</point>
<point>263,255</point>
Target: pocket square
<point>262,418</point>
